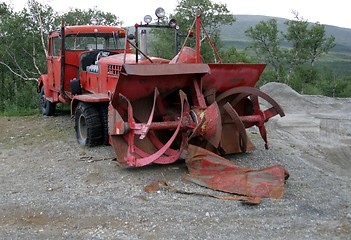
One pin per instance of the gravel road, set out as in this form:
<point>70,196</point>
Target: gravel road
<point>52,188</point>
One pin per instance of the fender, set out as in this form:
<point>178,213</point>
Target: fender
<point>50,95</point>
<point>42,80</point>
<point>91,98</point>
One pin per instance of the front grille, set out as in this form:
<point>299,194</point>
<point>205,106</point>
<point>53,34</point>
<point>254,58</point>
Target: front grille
<point>113,69</point>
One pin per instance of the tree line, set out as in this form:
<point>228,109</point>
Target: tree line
<point>23,41</point>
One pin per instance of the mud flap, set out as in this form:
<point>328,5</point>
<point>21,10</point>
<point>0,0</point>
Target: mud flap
<point>212,171</point>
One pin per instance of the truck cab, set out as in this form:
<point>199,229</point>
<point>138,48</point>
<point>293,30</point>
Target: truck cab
<point>71,51</point>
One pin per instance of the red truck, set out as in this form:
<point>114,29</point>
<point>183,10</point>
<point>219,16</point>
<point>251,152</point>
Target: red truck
<point>148,108</point>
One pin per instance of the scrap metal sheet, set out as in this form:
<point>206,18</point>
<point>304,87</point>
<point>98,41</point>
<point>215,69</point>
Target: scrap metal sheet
<point>210,170</point>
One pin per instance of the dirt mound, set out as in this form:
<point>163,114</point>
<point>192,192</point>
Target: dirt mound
<point>290,100</point>
<point>293,102</point>
<point>318,126</point>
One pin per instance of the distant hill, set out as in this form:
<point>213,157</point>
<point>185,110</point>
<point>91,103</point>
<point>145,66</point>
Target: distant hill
<point>339,58</point>
<point>236,31</point>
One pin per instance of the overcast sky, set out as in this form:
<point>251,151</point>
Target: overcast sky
<point>133,11</point>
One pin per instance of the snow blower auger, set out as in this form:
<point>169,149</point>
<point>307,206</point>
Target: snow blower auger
<point>153,118</point>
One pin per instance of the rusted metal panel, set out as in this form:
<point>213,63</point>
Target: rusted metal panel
<point>165,69</point>
<point>99,97</point>
<point>210,170</point>
<point>227,76</point>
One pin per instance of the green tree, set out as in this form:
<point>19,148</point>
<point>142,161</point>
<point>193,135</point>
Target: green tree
<point>305,44</point>
<point>5,13</point>
<point>266,43</point>
<point>213,15</point>
<point>19,49</point>
<point>332,85</point>
<point>232,55</point>
<point>91,16</point>
<point>23,41</point>
<point>297,35</point>
<point>318,43</point>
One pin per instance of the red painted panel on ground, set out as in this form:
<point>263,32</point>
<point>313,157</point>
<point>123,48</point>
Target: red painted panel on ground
<point>211,170</point>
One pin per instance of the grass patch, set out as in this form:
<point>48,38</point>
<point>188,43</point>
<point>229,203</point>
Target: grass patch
<point>18,112</point>
<point>13,111</point>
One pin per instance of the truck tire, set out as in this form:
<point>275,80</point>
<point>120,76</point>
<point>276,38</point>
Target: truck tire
<point>88,125</point>
<point>47,108</point>
<point>104,121</point>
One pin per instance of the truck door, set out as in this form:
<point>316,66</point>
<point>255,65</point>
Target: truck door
<point>54,63</point>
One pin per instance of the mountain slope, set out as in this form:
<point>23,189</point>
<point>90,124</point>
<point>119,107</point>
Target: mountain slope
<point>339,58</point>
<point>243,22</point>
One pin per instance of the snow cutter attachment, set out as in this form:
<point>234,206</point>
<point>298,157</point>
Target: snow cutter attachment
<point>161,112</point>
<point>154,118</point>
<point>159,108</point>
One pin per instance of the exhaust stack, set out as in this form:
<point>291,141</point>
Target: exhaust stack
<point>143,43</point>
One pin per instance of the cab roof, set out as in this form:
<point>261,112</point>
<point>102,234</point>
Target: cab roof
<point>88,29</point>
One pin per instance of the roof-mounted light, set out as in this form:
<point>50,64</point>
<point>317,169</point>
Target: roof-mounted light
<point>147,19</point>
<point>160,12</point>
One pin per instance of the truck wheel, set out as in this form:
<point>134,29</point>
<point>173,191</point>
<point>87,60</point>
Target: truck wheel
<point>88,125</point>
<point>104,121</point>
<point>47,108</point>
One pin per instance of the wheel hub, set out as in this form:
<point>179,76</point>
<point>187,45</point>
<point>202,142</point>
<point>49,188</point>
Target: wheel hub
<point>82,128</point>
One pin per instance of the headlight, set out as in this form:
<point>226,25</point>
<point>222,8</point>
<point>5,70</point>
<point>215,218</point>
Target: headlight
<point>160,12</point>
<point>147,19</point>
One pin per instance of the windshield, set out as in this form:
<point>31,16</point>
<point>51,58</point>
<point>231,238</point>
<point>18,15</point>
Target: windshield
<point>94,41</point>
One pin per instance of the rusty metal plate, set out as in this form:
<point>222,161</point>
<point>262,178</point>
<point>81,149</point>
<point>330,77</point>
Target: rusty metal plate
<point>210,170</point>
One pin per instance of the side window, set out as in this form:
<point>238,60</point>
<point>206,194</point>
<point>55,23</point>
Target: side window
<point>56,44</point>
